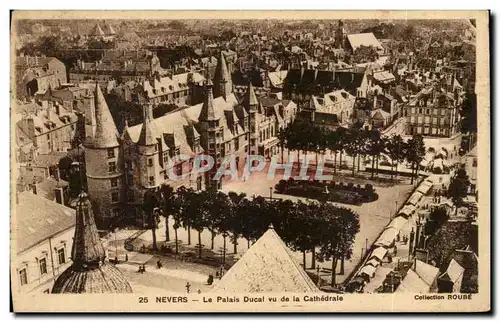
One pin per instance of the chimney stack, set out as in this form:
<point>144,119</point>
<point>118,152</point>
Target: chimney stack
<point>57,174</point>
<point>59,193</point>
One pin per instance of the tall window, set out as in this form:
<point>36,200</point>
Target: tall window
<point>111,153</point>
<point>115,197</point>
<point>23,276</point>
<point>43,266</point>
<point>112,166</point>
<point>150,162</point>
<point>61,256</point>
<point>114,182</point>
<point>151,180</point>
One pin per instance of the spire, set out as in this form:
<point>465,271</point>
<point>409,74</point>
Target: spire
<point>105,130</point>
<point>87,247</point>
<point>89,273</point>
<point>222,78</point>
<point>207,112</point>
<point>146,137</point>
<point>250,99</point>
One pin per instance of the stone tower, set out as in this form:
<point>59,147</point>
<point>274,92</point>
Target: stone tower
<point>212,139</point>
<point>223,86</point>
<point>340,35</point>
<point>89,273</point>
<point>251,104</point>
<point>147,148</point>
<point>104,165</point>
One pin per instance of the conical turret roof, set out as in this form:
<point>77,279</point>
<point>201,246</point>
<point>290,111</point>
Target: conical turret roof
<point>207,112</point>
<point>221,71</point>
<point>89,273</point>
<point>97,31</point>
<point>250,98</point>
<point>106,134</point>
<point>147,135</point>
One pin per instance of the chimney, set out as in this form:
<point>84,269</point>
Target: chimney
<point>59,193</point>
<point>31,127</point>
<point>49,112</point>
<point>57,174</point>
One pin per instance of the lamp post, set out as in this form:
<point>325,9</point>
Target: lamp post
<point>270,193</point>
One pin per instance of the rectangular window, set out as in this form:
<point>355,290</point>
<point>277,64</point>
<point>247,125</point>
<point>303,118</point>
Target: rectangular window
<point>61,256</point>
<point>435,111</point>
<point>413,110</point>
<point>151,180</point>
<point>115,197</point>
<point>237,144</point>
<point>112,167</point>
<point>474,163</point>
<point>427,111</point>
<point>150,162</point>
<point>427,119</point>
<point>178,169</point>
<point>114,182</point>
<point>43,266</point>
<point>130,179</point>
<point>116,212</point>
<point>426,130</point>
<point>23,276</point>
<point>165,157</point>
<point>111,153</point>
<point>443,111</point>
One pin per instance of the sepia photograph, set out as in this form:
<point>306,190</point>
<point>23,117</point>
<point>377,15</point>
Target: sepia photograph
<point>207,163</point>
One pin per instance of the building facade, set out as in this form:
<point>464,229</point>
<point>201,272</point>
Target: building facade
<point>434,111</point>
<point>120,169</point>
<point>43,242</point>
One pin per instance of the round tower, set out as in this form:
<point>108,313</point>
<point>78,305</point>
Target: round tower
<point>104,165</point>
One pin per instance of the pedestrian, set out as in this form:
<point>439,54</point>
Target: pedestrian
<point>143,268</point>
<point>188,287</point>
<point>158,264</point>
<point>210,279</point>
<point>126,257</point>
<point>199,291</point>
<point>395,250</point>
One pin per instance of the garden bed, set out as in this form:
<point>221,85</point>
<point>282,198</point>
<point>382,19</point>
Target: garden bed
<point>328,191</point>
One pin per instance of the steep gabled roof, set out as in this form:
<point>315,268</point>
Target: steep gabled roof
<point>267,266</point>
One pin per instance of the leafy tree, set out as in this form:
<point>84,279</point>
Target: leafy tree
<point>184,202</point>
<point>166,198</point>
<point>64,167</point>
<point>468,124</point>
<point>437,218</point>
<point>415,153</point>
<point>150,202</point>
<point>341,227</point>
<point>457,190</point>
<point>236,202</point>
<point>396,150</point>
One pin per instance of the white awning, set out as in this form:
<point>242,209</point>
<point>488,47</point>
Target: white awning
<point>424,189</point>
<point>373,262</point>
<point>415,198</point>
<point>368,270</point>
<point>387,237</point>
<point>398,223</point>
<point>407,210</point>
<point>379,253</point>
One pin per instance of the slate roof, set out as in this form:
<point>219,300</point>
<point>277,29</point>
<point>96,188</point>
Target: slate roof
<point>106,134</point>
<point>38,218</point>
<point>268,266</point>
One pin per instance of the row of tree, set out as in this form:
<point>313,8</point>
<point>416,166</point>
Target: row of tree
<point>355,142</point>
<point>303,226</point>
